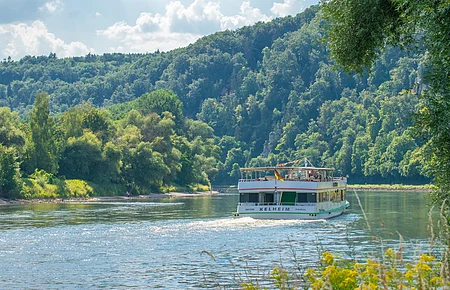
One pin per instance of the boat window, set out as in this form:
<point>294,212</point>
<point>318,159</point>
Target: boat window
<point>243,197</point>
<point>302,197</point>
<point>311,197</point>
<point>248,197</point>
<point>268,198</point>
<point>253,197</point>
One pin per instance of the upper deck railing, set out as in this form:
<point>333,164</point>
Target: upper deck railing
<point>287,173</point>
<point>311,179</point>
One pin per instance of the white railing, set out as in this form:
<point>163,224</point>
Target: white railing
<point>312,179</point>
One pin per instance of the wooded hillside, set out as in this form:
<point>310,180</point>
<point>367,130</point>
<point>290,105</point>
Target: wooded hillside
<point>260,95</point>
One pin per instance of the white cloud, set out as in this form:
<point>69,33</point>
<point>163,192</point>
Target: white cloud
<point>52,6</point>
<point>21,39</point>
<point>97,14</point>
<point>198,18</point>
<point>149,23</point>
<point>118,31</point>
<point>178,26</point>
<point>247,16</point>
<point>290,7</point>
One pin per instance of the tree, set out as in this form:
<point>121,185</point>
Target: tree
<point>159,102</point>
<point>234,156</point>
<point>99,123</point>
<point>43,150</point>
<point>163,144</point>
<point>360,154</point>
<point>9,172</point>
<point>10,132</point>
<point>143,168</point>
<point>71,122</point>
<point>359,31</point>
<point>81,158</point>
<point>112,158</point>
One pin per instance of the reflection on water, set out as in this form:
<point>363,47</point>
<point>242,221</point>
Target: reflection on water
<point>390,212</point>
<point>162,244</point>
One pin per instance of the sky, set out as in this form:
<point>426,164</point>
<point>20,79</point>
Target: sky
<point>78,27</point>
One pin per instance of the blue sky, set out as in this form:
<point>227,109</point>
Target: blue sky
<point>77,27</point>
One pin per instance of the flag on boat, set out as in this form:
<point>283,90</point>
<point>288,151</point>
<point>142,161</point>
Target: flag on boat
<point>278,176</point>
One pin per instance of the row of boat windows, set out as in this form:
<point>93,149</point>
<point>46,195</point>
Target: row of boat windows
<point>292,197</point>
<point>289,178</point>
<point>302,175</point>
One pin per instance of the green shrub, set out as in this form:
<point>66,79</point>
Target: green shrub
<point>77,188</point>
<point>39,186</point>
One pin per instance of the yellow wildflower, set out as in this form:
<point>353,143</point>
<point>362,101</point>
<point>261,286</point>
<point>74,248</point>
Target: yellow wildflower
<point>328,258</point>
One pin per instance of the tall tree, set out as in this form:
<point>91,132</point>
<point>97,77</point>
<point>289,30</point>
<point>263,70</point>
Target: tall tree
<point>359,31</point>
<point>143,168</point>
<point>10,132</point>
<point>43,146</point>
<point>81,157</point>
<point>9,172</point>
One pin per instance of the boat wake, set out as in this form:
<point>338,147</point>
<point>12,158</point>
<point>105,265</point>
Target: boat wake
<point>227,224</point>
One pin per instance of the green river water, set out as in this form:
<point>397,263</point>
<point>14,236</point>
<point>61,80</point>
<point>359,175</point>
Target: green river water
<point>161,244</point>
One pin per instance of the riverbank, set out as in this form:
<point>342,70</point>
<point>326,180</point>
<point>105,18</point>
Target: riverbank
<point>152,196</point>
<point>225,190</point>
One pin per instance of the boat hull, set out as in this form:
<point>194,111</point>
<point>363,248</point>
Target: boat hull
<point>289,212</point>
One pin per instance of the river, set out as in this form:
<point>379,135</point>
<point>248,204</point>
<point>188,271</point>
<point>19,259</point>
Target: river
<point>189,243</point>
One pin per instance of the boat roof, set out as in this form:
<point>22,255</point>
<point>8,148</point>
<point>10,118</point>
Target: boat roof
<point>285,168</point>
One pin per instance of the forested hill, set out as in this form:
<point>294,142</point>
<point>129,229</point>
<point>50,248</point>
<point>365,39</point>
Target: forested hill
<point>269,92</point>
<point>191,72</point>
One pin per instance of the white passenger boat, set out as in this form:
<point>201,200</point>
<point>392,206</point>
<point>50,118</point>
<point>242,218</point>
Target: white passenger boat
<point>284,192</point>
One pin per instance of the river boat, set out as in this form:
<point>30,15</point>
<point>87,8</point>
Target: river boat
<point>291,192</point>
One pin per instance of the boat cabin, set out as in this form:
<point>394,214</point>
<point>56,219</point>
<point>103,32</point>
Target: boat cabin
<point>289,186</point>
<point>288,192</point>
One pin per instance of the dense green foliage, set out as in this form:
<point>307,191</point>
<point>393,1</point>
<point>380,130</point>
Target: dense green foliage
<point>363,28</point>
<point>260,95</point>
<point>9,172</point>
<point>139,152</point>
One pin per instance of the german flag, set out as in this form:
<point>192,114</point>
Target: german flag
<point>278,176</point>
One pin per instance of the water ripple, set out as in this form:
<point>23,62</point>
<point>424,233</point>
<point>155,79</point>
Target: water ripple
<point>165,245</point>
